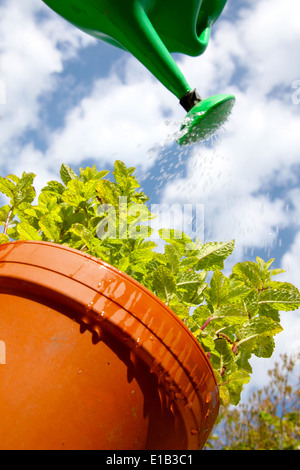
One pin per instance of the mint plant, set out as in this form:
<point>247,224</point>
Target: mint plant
<point>233,317</point>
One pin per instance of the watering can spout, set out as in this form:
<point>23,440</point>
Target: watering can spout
<point>151,30</point>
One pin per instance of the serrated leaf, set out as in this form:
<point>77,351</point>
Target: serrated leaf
<point>7,187</point>
<point>50,228</point>
<point>47,201</point>
<point>24,191</point>
<point>74,195</point>
<point>211,256</point>
<point>235,384</point>
<point>229,310</point>
<point>67,174</point>
<point>123,176</point>
<point>257,336</point>
<point>181,310</point>
<point>141,255</point>
<point>108,193</point>
<point>177,238</point>
<point>164,283</point>
<point>4,211</point>
<point>84,234</point>
<point>224,395</point>
<point>27,232</point>
<point>226,357</point>
<point>250,273</point>
<point>190,279</point>
<point>251,303</point>
<point>242,360</point>
<point>87,174</point>
<point>123,263</point>
<point>3,238</point>
<point>218,292</point>
<point>190,286</point>
<point>267,310</point>
<point>281,296</point>
<point>173,257</point>
<point>54,187</point>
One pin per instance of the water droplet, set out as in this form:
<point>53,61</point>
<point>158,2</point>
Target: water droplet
<point>189,405</point>
<point>208,397</point>
<point>89,306</point>
<point>97,330</point>
<point>179,396</point>
<point>86,320</point>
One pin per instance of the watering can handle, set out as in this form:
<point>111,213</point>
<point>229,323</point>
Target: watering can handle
<point>142,40</point>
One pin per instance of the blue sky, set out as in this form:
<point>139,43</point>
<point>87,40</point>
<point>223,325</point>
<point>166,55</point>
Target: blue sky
<point>70,98</point>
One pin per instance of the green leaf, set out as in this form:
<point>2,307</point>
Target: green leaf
<point>173,257</point>
<point>108,193</point>
<point>24,191</point>
<point>27,232</point>
<point>3,238</point>
<point>211,256</point>
<point>50,228</point>
<point>87,174</point>
<point>281,296</point>
<point>55,188</point>
<point>47,201</point>
<point>4,211</point>
<point>74,195</point>
<point>67,174</point>
<point>190,286</point>
<point>250,273</point>
<point>256,336</point>
<point>164,283</point>
<point>18,189</point>
<point>235,384</point>
<point>181,310</point>
<point>7,187</point>
<point>224,395</point>
<point>127,183</point>
<point>177,238</point>
<point>229,310</point>
<point>218,292</point>
<point>226,358</point>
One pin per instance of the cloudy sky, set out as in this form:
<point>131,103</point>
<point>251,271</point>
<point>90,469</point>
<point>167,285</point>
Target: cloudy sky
<point>68,98</point>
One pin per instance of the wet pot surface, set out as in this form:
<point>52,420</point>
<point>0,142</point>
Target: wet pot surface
<point>87,362</point>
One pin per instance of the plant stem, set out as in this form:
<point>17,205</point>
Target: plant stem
<point>207,322</point>
<point>222,335</point>
<point>7,220</point>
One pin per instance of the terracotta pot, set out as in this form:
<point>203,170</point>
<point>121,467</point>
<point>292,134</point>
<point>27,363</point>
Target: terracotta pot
<point>90,359</point>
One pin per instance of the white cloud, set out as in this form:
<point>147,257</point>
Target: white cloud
<point>32,52</point>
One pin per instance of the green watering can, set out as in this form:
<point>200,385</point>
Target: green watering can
<point>151,30</point>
